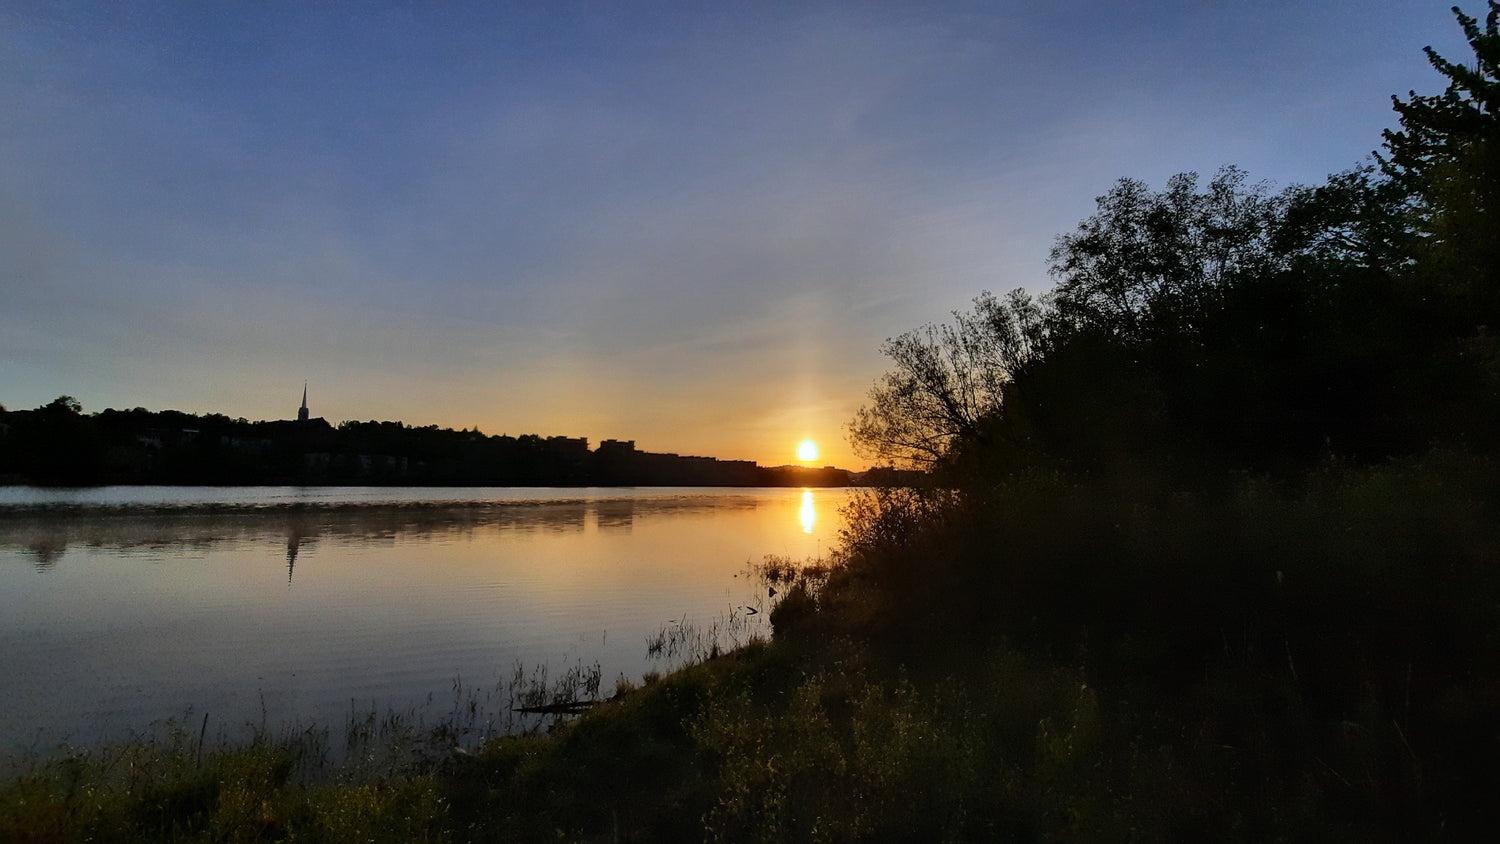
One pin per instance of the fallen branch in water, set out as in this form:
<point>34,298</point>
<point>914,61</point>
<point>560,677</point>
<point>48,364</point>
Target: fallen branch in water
<point>567,707</point>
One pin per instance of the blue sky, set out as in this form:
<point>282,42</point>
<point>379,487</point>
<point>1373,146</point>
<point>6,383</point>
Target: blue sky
<point>688,224</point>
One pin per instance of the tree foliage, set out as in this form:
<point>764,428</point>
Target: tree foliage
<point>1250,464</point>
<point>1447,152</point>
<point>1225,318</point>
<point>1442,130</point>
<point>947,380</point>
<point>65,405</point>
<point>1258,330</point>
<point>1148,262</point>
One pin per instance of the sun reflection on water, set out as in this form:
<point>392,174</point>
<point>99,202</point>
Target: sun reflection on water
<point>386,601</point>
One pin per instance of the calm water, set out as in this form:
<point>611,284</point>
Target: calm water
<point>120,607</point>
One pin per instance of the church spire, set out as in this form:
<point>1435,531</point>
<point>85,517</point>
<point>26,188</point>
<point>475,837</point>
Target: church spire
<point>302,411</point>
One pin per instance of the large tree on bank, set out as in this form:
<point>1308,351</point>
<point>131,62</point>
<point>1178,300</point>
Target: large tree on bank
<point>1356,318</point>
<point>1447,154</point>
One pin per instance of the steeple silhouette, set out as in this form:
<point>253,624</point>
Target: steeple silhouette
<point>302,411</point>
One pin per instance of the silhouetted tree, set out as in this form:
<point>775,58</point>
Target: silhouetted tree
<point>1266,428</point>
<point>64,404</point>
<point>1458,126</point>
<point>1447,152</point>
<point>1149,262</point>
<point>947,380</point>
<point>1356,218</point>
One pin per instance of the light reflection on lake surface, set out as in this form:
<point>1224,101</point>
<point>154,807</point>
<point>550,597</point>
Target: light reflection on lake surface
<point>123,606</point>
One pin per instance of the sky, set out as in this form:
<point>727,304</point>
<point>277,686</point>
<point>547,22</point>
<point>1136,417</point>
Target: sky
<point>691,225</point>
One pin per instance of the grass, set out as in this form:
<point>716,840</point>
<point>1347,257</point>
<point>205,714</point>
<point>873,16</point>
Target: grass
<point>166,789</point>
<point>1053,658</point>
<point>383,777</point>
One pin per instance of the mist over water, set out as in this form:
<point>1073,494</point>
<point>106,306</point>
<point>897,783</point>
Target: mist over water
<point>119,608</point>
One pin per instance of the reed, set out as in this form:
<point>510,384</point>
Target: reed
<point>379,778</point>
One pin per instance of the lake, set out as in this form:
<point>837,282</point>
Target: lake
<point>124,606</point>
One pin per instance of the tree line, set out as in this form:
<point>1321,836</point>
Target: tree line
<point>59,444</point>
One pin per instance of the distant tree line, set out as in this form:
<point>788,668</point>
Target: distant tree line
<point>59,444</point>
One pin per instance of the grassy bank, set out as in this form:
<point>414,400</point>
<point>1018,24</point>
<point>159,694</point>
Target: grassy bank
<point>1059,658</point>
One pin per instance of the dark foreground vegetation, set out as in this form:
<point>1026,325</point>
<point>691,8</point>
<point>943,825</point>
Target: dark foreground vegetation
<point>1208,553</point>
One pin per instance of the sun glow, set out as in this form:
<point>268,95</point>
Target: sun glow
<point>807,451</point>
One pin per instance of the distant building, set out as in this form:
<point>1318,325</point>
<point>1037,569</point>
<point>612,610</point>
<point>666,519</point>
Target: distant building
<point>302,411</point>
<point>571,445</point>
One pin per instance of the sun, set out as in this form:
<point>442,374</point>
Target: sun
<point>807,451</point>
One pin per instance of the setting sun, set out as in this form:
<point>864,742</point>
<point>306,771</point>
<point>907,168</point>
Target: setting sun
<point>808,450</point>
